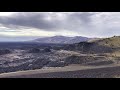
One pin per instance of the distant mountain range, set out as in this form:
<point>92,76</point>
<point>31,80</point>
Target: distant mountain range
<point>62,39</point>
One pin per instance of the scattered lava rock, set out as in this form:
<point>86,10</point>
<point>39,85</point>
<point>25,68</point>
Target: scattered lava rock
<point>79,59</point>
<point>46,50</point>
<point>34,50</point>
<point>5,51</point>
<point>56,64</point>
<point>37,50</point>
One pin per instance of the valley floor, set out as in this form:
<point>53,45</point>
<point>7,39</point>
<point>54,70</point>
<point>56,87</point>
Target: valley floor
<point>24,61</point>
<point>71,71</point>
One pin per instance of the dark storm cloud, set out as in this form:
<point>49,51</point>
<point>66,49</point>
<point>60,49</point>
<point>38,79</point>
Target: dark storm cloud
<point>37,20</point>
<point>22,20</point>
<point>84,17</point>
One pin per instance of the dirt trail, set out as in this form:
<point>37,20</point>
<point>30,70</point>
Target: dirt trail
<point>72,71</point>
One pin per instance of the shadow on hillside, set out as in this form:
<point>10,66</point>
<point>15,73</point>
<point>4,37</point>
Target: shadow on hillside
<point>87,47</point>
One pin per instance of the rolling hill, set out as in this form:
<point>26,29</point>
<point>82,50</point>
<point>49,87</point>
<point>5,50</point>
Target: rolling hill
<point>105,45</point>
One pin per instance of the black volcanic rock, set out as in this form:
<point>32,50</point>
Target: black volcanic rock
<point>37,50</point>
<point>5,51</point>
<point>46,50</point>
<point>56,64</point>
<point>34,50</point>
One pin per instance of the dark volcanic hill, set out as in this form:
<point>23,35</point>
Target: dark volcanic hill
<point>105,45</point>
<point>62,39</point>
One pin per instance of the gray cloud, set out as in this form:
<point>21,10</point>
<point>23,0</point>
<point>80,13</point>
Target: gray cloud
<point>38,20</point>
<point>84,23</point>
<point>22,20</point>
<point>84,17</point>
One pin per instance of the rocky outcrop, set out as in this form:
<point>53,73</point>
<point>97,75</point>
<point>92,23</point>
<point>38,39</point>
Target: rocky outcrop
<point>37,50</point>
<point>46,50</point>
<point>34,50</point>
<point>5,51</point>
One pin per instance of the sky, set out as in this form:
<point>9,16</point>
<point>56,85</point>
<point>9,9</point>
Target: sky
<point>21,26</point>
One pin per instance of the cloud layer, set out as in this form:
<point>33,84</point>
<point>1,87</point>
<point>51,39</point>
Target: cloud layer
<point>91,24</point>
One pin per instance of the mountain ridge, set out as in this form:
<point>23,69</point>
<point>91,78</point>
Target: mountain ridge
<point>62,39</point>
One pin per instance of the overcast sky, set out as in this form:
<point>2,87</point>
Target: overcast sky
<point>28,25</point>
